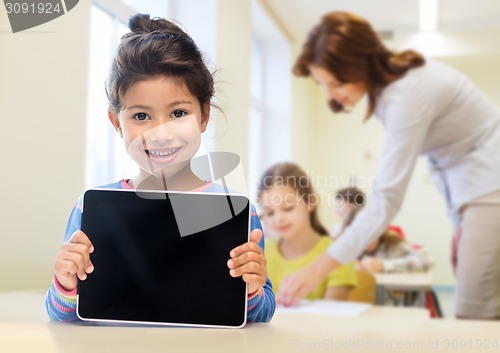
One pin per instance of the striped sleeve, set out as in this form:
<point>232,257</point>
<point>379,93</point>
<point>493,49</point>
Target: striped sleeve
<point>261,304</point>
<point>59,303</point>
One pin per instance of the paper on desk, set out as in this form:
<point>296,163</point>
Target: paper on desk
<point>326,307</point>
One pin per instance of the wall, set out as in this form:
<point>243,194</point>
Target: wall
<point>43,89</point>
<point>233,62</point>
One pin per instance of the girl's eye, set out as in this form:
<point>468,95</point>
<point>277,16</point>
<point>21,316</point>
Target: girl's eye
<point>288,209</point>
<point>178,114</point>
<point>140,116</point>
<point>269,214</point>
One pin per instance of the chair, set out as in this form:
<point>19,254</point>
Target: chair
<point>366,289</point>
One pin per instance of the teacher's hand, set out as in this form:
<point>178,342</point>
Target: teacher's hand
<point>295,287</point>
<point>455,241</point>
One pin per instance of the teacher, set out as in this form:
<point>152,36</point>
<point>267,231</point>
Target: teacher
<point>426,108</point>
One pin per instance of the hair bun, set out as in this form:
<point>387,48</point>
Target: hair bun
<point>143,24</point>
<point>140,23</point>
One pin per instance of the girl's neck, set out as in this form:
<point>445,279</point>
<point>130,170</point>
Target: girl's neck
<point>186,182</point>
<point>300,244</point>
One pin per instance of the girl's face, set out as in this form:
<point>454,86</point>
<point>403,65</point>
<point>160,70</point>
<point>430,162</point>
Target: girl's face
<point>285,212</point>
<point>347,94</point>
<point>161,124</point>
<point>342,208</point>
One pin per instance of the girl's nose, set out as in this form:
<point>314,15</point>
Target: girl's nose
<point>279,215</point>
<point>161,133</point>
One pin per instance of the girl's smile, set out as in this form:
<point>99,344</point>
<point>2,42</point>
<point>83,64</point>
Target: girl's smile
<point>283,228</point>
<point>162,156</point>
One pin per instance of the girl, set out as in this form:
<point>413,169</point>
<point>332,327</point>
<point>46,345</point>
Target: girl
<point>159,93</point>
<point>345,200</point>
<point>389,252</point>
<point>427,109</point>
<point>348,200</point>
<point>289,206</point>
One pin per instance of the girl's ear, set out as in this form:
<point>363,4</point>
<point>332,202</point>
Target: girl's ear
<point>205,116</point>
<point>115,121</point>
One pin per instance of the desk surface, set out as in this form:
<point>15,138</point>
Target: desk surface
<point>379,329</point>
<point>405,280</point>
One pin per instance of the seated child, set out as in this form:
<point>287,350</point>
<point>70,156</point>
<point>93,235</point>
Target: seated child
<point>345,200</point>
<point>289,207</point>
<point>390,252</point>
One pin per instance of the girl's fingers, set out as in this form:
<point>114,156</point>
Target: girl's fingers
<point>247,257</point>
<point>254,281</point>
<point>248,268</point>
<point>247,247</point>
<point>80,237</point>
<point>74,261</point>
<point>67,273</point>
<point>76,267</point>
<point>79,253</point>
<point>255,236</point>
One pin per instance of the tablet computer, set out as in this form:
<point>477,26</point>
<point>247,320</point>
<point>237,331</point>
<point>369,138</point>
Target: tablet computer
<point>161,258</point>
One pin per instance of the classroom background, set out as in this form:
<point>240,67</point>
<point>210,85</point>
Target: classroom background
<point>55,142</point>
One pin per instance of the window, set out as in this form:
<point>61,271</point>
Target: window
<point>270,101</point>
<point>106,30</point>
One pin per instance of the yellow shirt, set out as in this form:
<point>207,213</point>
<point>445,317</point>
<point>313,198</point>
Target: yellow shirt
<point>278,268</point>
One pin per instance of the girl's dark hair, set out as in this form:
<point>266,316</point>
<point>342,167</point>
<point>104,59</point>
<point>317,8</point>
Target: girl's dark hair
<point>351,195</point>
<point>290,174</point>
<point>348,47</point>
<point>388,237</point>
<point>349,218</point>
<point>157,47</point>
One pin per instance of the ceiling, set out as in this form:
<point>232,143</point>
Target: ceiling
<point>297,17</point>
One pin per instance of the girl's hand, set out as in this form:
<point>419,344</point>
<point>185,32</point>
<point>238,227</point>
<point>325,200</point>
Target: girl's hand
<point>359,265</point>
<point>248,261</point>
<point>372,265</point>
<point>73,260</point>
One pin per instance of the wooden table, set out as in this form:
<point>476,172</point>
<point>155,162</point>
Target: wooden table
<point>378,329</point>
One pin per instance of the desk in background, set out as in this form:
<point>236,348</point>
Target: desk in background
<point>419,282</point>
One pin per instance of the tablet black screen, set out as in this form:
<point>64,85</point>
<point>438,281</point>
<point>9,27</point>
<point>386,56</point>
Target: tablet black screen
<point>162,257</point>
